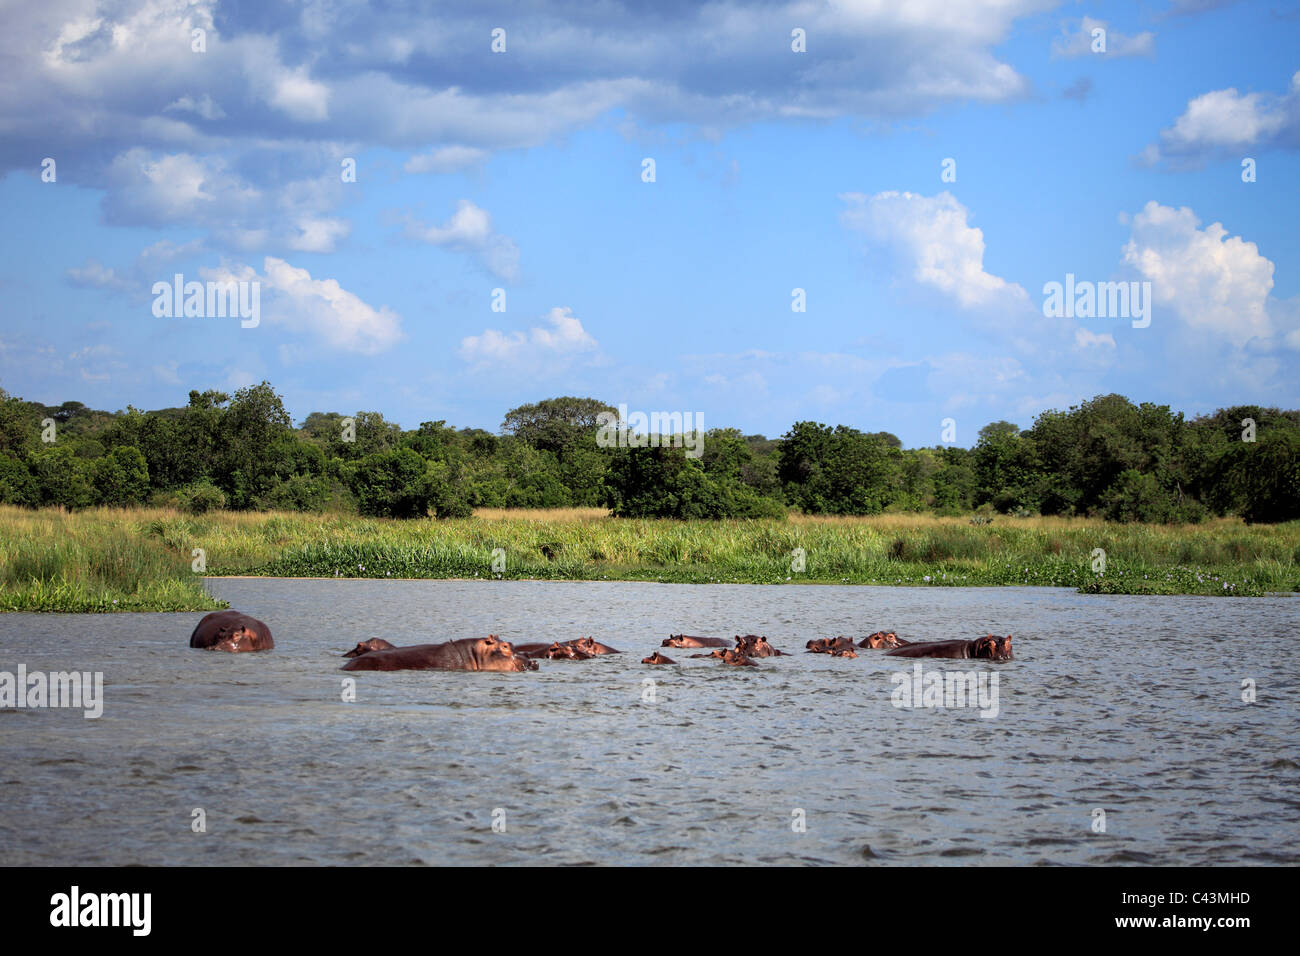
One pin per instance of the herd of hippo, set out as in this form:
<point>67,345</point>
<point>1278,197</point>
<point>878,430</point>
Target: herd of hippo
<point>235,632</point>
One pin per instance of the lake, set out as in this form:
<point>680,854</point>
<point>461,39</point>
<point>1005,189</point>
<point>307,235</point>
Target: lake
<point>1131,706</point>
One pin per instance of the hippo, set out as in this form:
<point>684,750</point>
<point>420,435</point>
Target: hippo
<point>470,654</point>
<point>882,639</point>
<point>591,647</point>
<point>562,652</point>
<point>231,631</point>
<point>988,647</point>
<point>828,645</point>
<point>685,640</point>
<point>657,658</point>
<point>731,656</point>
<point>365,647</point>
<point>530,650</point>
<point>751,645</point>
<point>737,659</point>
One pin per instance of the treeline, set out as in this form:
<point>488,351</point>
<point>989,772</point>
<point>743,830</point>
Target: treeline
<point>1107,458</point>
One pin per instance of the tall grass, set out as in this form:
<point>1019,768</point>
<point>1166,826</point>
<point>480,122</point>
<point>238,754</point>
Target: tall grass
<point>91,561</point>
<point>146,553</point>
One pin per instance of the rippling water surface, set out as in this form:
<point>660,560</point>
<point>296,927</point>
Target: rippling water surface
<point>1131,705</point>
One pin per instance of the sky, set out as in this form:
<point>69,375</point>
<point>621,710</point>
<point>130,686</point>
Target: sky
<point>624,200</point>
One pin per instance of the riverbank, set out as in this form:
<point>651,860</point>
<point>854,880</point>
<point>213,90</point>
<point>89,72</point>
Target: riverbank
<point>154,559</point>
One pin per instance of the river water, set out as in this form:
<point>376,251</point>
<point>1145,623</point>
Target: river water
<point>1120,734</point>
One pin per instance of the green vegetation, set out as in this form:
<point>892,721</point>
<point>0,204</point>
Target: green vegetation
<point>91,561</point>
<point>101,511</point>
<point>1107,458</point>
<point>53,560</point>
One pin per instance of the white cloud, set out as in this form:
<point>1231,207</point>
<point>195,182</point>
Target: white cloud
<point>96,275</point>
<point>1214,283</point>
<point>1080,41</point>
<point>566,336</point>
<point>470,230</point>
<point>932,236</point>
<point>448,159</point>
<point>319,234</point>
<point>322,308</point>
<point>204,106</point>
<point>1223,122</point>
<point>1084,338</point>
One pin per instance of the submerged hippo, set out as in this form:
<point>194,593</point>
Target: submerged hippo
<point>685,640</point>
<point>530,650</point>
<point>882,639</point>
<point>231,631</point>
<point>591,647</point>
<point>657,658</point>
<point>829,645</point>
<point>471,654</point>
<point>751,645</point>
<point>562,652</point>
<point>365,647</point>
<point>988,648</point>
<point>737,659</point>
<point>729,656</point>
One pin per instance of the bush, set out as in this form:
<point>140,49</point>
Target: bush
<point>200,497</point>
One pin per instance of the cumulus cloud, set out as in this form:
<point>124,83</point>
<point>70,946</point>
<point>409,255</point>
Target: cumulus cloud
<point>470,230</point>
<point>564,337</point>
<point>1080,40</point>
<point>932,237</point>
<point>323,309</point>
<point>1215,283</point>
<point>92,79</point>
<point>1223,122</point>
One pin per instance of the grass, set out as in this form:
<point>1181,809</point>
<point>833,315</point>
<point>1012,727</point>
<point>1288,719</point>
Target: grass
<point>90,561</point>
<point>141,558</point>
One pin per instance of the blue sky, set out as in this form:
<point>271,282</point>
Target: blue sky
<point>774,170</point>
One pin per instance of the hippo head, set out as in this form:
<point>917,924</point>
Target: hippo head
<point>987,648</point>
<point>232,632</point>
<point>880,639</point>
<point>365,647</point>
<point>673,640</point>
<point>493,654</point>
<point>844,652</point>
<point>1004,648</point>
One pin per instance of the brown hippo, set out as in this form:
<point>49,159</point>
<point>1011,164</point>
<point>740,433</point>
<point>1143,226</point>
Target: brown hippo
<point>828,645</point>
<point>657,658</point>
<point>591,647</point>
<point>562,652</point>
<point>365,647</point>
<point>988,647</point>
<point>471,654</point>
<point>882,639</point>
<point>843,652</point>
<point>737,659</point>
<point>530,650</point>
<point>751,645</point>
<point>734,657</point>
<point>233,632</point>
<point>685,640</point>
